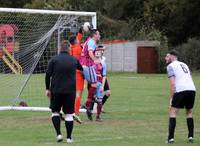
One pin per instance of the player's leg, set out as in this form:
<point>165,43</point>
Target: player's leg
<point>77,107</point>
<point>55,117</point>
<point>93,99</point>
<point>99,109</point>
<point>91,90</point>
<point>177,103</point>
<point>69,127</point>
<point>189,103</point>
<point>172,124</point>
<point>79,90</point>
<point>90,76</point>
<point>78,101</point>
<point>68,109</point>
<point>1,62</point>
<point>89,101</point>
<point>99,97</point>
<point>190,125</point>
<point>56,123</point>
<point>107,92</point>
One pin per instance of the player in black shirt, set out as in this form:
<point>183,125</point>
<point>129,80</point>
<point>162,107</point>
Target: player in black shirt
<point>61,89</point>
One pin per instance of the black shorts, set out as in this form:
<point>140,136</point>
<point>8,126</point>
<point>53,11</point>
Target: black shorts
<point>184,99</point>
<point>64,101</point>
<point>106,86</point>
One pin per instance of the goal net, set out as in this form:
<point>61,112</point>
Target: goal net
<point>28,39</point>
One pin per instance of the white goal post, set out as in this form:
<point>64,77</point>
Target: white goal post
<point>28,39</point>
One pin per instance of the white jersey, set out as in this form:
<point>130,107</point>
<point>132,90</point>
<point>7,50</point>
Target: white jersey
<point>103,58</point>
<point>183,79</point>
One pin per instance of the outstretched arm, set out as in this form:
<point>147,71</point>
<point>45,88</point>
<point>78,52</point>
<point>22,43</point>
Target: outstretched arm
<point>79,36</point>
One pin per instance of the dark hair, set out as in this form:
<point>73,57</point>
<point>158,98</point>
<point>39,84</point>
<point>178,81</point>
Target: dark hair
<point>72,40</point>
<point>174,52</point>
<point>64,46</point>
<point>92,32</point>
<point>100,46</point>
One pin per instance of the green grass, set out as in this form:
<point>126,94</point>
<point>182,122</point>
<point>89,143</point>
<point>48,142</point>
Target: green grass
<point>137,115</point>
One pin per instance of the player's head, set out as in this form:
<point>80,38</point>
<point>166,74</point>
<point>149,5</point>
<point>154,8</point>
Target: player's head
<point>65,47</point>
<point>72,40</point>
<point>102,48</point>
<point>99,51</point>
<point>171,56</point>
<point>174,53</point>
<point>95,34</point>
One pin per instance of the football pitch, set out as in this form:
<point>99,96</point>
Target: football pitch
<point>136,115</point>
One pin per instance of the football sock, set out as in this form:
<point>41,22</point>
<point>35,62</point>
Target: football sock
<point>77,104</point>
<point>56,124</point>
<point>190,125</point>
<point>105,97</point>
<point>172,125</point>
<point>92,103</point>
<point>99,107</point>
<point>69,127</point>
<point>91,93</point>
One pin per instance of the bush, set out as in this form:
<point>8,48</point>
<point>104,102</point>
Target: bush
<point>189,53</point>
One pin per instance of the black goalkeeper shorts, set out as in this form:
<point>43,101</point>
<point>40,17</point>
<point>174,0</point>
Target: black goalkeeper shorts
<point>63,101</point>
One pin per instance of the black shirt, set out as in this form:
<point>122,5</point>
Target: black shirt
<point>61,73</point>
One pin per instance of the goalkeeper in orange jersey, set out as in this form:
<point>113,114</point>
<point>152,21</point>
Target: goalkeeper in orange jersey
<point>75,51</point>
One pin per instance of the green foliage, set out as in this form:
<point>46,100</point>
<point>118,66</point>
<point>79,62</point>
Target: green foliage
<point>173,18</point>
<point>14,4</point>
<point>49,4</point>
<point>184,22</point>
<point>190,52</point>
<point>161,49</point>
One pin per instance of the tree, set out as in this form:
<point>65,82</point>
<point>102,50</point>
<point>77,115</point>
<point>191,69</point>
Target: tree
<point>184,22</point>
<point>14,4</point>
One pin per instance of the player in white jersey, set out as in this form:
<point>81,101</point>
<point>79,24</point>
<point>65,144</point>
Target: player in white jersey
<point>182,94</point>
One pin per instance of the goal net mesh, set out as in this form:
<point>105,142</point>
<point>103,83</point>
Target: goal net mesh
<point>27,42</point>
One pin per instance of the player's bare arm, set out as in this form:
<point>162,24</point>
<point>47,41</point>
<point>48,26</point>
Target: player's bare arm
<point>48,93</point>
<point>171,87</point>
<point>91,54</point>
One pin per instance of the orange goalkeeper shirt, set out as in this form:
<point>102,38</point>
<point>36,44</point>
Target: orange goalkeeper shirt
<point>76,52</point>
<point>76,48</point>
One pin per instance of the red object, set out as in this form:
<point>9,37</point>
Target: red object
<point>7,32</point>
<point>115,41</point>
<point>147,60</point>
<point>7,37</point>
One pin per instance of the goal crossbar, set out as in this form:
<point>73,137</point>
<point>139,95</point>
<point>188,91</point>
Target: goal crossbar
<point>39,11</point>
